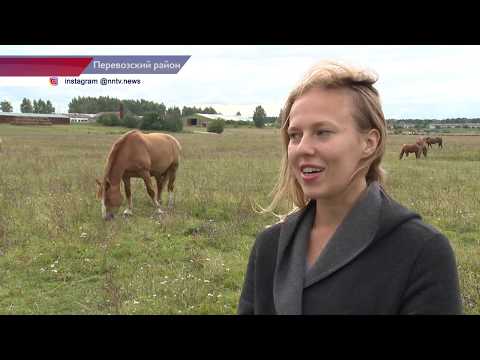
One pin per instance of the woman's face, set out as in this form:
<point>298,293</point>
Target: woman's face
<point>325,148</point>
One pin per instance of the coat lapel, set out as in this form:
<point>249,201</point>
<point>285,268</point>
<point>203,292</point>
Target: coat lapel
<point>290,266</point>
<point>354,234</point>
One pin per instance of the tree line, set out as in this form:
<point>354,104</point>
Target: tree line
<point>38,106</point>
<point>93,105</point>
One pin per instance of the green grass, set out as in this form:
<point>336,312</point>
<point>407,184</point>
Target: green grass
<point>57,256</point>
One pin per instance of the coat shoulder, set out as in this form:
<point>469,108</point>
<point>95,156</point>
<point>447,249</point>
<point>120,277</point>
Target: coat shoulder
<point>416,235</point>
<point>269,236</point>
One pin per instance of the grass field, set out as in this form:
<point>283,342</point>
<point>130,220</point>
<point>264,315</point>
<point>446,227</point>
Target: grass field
<point>57,255</point>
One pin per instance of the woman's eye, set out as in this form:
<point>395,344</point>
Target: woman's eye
<point>323,132</point>
<point>294,136</point>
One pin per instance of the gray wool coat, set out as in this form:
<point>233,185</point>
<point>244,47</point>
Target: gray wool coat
<point>382,259</point>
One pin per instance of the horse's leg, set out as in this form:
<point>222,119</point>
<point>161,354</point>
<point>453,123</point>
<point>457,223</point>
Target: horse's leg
<point>172,173</point>
<point>128,194</point>
<point>148,184</point>
<point>160,183</point>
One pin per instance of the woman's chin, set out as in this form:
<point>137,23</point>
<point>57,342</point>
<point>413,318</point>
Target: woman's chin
<point>312,194</point>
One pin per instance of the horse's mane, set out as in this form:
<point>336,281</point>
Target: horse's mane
<point>112,156</point>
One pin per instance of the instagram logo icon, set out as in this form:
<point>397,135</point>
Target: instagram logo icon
<point>54,81</point>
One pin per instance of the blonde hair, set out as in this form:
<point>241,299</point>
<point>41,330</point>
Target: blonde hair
<point>333,75</point>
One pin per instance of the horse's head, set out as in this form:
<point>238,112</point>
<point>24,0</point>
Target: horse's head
<point>110,196</point>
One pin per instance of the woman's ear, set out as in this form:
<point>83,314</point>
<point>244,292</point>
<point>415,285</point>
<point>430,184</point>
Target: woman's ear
<point>371,142</point>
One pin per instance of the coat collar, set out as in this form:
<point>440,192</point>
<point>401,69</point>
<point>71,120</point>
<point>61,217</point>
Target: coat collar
<point>351,238</point>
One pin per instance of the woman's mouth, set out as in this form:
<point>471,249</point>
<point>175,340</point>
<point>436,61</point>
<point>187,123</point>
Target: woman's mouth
<point>310,173</point>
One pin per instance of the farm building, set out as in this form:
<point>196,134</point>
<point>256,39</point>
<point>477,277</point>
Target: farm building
<point>81,118</point>
<point>455,125</point>
<point>91,118</point>
<point>203,119</point>
<point>33,119</point>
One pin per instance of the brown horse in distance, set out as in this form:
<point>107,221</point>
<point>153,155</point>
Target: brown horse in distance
<point>139,155</point>
<point>421,141</point>
<point>434,140</point>
<point>411,148</point>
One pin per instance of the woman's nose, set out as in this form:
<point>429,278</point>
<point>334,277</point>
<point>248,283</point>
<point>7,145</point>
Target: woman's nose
<point>306,146</point>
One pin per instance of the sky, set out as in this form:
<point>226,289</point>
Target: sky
<point>415,81</point>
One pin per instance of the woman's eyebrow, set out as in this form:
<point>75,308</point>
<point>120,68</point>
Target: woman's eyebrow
<point>315,124</point>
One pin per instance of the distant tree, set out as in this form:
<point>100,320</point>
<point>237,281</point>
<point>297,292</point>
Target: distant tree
<point>109,120</point>
<point>186,111</point>
<point>279,119</point>
<point>173,120</point>
<point>130,121</point>
<point>49,109</point>
<point>259,117</point>
<point>40,107</point>
<point>238,113</point>
<point>6,106</point>
<point>152,121</point>
<point>209,110</point>
<point>26,106</point>
<point>216,126</point>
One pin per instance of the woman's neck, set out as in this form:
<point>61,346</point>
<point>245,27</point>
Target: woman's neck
<point>330,212</point>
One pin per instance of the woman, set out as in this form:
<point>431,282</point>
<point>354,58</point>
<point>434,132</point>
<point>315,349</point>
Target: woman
<point>349,248</point>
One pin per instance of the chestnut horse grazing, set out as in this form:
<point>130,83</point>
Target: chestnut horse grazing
<point>139,155</point>
<point>421,141</point>
<point>412,148</point>
<point>436,140</point>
